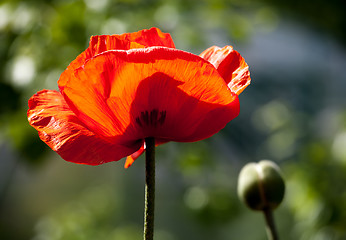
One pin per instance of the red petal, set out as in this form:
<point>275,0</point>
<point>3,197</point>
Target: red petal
<point>116,89</point>
<point>130,159</point>
<point>142,39</point>
<point>231,66</point>
<point>62,131</point>
<point>101,43</point>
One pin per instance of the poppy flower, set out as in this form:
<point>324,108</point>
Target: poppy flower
<point>125,88</point>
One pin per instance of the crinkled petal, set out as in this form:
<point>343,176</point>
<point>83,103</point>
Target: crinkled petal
<point>158,92</point>
<point>101,43</point>
<point>231,66</point>
<point>62,131</point>
<point>131,158</point>
<point>142,39</point>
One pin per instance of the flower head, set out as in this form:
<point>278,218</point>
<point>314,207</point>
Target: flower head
<point>125,88</point>
<point>261,185</point>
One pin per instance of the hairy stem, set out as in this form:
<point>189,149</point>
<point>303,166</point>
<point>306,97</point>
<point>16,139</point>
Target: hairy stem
<point>149,189</point>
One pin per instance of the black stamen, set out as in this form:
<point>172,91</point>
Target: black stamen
<point>152,118</point>
<point>145,117</point>
<point>138,121</point>
<point>162,118</point>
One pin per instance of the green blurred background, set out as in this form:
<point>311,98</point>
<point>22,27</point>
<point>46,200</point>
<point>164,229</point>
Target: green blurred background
<point>292,113</point>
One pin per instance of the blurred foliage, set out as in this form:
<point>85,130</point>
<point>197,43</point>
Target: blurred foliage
<point>326,15</point>
<point>292,113</point>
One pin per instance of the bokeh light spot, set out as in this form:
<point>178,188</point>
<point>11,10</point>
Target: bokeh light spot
<point>23,71</point>
<point>196,198</point>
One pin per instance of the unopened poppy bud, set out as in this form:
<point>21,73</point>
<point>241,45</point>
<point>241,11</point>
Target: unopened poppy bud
<point>261,186</point>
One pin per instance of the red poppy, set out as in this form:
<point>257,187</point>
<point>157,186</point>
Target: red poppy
<point>125,88</point>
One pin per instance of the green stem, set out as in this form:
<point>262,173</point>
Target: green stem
<point>270,224</point>
<point>149,189</point>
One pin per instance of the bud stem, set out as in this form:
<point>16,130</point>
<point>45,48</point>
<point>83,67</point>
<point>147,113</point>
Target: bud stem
<point>149,189</point>
<point>270,224</point>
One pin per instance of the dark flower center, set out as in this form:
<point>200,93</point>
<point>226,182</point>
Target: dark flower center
<point>153,118</point>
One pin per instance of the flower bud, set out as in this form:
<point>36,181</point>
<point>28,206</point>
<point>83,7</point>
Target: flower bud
<point>260,185</point>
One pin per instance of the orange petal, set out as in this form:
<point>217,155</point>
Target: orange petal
<point>101,43</point>
<point>131,158</point>
<point>142,39</point>
<point>231,66</point>
<point>156,92</point>
<point>62,131</point>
